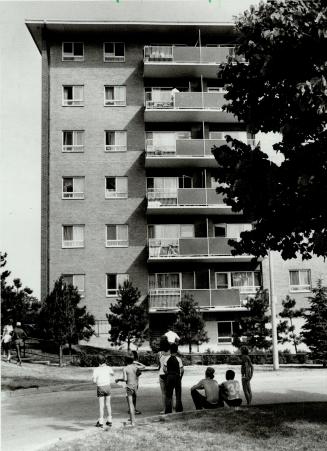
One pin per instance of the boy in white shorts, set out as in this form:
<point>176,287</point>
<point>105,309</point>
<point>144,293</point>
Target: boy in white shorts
<point>102,377</point>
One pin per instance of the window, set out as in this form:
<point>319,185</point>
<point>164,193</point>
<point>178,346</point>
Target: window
<point>116,188</point>
<point>114,52</point>
<point>115,141</point>
<point>115,95</point>
<point>185,182</point>
<point>164,281</point>
<point>73,141</point>
<point>201,280</point>
<point>221,280</point>
<point>117,235</point>
<point>77,280</point>
<point>72,51</point>
<point>114,281</point>
<point>220,230</point>
<point>162,143</point>
<point>171,231</point>
<point>235,230</point>
<point>226,330</point>
<point>72,236</point>
<point>300,280</point>
<point>246,282</point>
<point>73,95</point>
<point>73,187</point>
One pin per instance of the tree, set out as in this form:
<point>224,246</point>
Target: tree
<point>17,303</point>
<point>281,89</point>
<point>286,328</point>
<point>62,319</point>
<point>189,322</point>
<point>253,326</point>
<point>128,318</point>
<point>314,330</point>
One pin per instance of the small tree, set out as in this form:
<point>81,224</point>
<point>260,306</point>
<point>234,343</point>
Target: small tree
<point>314,330</point>
<point>253,327</point>
<point>17,303</point>
<point>286,328</point>
<point>61,318</point>
<point>189,323</point>
<point>128,318</point>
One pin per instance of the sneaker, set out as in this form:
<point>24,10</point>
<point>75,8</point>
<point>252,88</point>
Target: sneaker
<point>161,412</point>
<point>108,423</point>
<point>137,412</point>
<point>99,425</point>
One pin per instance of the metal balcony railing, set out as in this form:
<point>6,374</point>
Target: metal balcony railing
<point>186,54</point>
<point>170,248</point>
<point>73,195</point>
<point>185,100</point>
<point>73,243</point>
<point>183,197</point>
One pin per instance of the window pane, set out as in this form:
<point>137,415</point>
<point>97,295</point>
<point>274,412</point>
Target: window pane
<point>68,138</point>
<point>294,278</point>
<point>111,183</point>
<point>225,329</point>
<point>305,277</point>
<point>202,280</point>
<point>68,280</point>
<point>119,49</point>
<point>241,279</point>
<point>68,47</point>
<point>111,281</point>
<point>78,92</point>
<point>152,281</point>
<point>121,184</point>
<point>122,232</point>
<point>111,232</point>
<point>187,231</point>
<point>120,138</point>
<point>79,233</point>
<point>68,92</point>
<point>109,92</point>
<point>220,230</point>
<point>221,280</point>
<point>78,281</point>
<point>110,138</point>
<point>79,185</point>
<point>78,49</point>
<point>121,278</point>
<point>109,47</point>
<point>68,233</point>
<point>120,93</point>
<point>257,281</point>
<point>68,185</point>
<point>78,138</point>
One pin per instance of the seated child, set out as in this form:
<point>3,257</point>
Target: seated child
<point>211,391</point>
<point>230,390</point>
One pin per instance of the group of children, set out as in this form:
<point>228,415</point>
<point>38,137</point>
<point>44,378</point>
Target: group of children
<point>171,371</point>
<point>13,336</point>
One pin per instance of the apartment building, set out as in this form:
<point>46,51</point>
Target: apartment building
<point>130,113</point>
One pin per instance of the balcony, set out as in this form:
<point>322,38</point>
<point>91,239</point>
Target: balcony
<point>185,153</point>
<point>186,201</point>
<point>187,107</point>
<point>193,249</point>
<point>182,61</point>
<point>207,299</point>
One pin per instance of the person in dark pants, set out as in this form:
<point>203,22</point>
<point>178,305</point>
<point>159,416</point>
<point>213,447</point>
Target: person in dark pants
<point>173,368</point>
<point>19,337</point>
<point>211,390</point>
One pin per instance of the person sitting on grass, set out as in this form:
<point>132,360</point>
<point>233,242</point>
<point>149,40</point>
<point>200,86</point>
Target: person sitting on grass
<point>230,390</point>
<point>211,390</point>
<point>102,377</point>
<point>130,376</point>
<point>247,374</point>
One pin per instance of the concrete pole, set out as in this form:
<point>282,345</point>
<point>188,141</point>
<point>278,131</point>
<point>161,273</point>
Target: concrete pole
<point>273,313</point>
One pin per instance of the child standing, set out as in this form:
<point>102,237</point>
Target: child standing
<point>247,373</point>
<point>130,377</point>
<point>102,377</point>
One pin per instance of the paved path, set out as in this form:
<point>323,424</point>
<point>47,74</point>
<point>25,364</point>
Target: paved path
<point>32,421</point>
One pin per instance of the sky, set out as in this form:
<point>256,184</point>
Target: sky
<point>20,109</point>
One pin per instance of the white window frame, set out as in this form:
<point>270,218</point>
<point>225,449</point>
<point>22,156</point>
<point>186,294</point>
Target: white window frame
<point>111,57</point>
<point>111,103</point>
<point>300,288</point>
<point>74,148</point>
<point>74,102</point>
<point>115,147</point>
<point>114,194</point>
<point>74,194</point>
<point>117,242</point>
<point>228,280</point>
<point>155,274</point>
<point>224,338</point>
<point>80,290</point>
<point>72,56</point>
<point>251,289</point>
<point>113,293</point>
<point>73,244</point>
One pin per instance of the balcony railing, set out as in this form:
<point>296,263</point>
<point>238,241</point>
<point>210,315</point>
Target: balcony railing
<point>73,243</point>
<point>184,196</point>
<point>73,148</point>
<point>73,195</point>
<point>187,100</point>
<point>169,248</point>
<point>168,298</point>
<point>112,194</point>
<point>184,54</point>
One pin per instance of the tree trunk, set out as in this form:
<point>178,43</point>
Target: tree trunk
<point>294,343</point>
<point>190,347</point>
<point>70,349</point>
<point>60,355</point>
<point>128,343</point>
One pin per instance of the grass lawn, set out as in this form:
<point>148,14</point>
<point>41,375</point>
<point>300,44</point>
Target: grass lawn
<point>301,426</point>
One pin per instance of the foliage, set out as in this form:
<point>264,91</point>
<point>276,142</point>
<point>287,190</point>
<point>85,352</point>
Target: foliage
<point>61,318</point>
<point>281,89</point>
<point>286,328</point>
<point>314,330</point>
<point>189,324</point>
<point>17,303</point>
<point>128,318</point>
<point>253,326</point>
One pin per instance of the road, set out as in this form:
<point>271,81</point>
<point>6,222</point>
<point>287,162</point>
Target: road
<point>32,421</point>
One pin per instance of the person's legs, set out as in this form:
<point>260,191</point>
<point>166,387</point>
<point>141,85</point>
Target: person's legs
<point>19,359</point>
<point>108,406</point>
<point>247,390</point>
<point>101,409</point>
<point>198,399</point>
<point>178,392</point>
<point>162,382</point>
<point>131,408</point>
<point>169,393</point>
